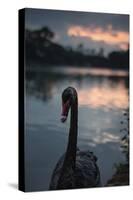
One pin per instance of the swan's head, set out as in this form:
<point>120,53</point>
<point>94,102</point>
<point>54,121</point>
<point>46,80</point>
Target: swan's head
<point>69,96</point>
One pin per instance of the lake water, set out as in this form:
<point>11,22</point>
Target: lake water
<point>102,96</point>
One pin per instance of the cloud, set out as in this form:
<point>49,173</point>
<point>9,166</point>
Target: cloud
<point>98,34</point>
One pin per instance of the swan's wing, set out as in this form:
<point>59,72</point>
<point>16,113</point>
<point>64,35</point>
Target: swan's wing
<point>87,172</point>
<point>56,173</point>
<point>85,175</point>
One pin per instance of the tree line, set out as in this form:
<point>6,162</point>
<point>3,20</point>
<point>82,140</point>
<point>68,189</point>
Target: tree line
<point>40,47</point>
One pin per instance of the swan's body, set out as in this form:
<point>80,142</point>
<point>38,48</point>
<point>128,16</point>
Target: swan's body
<point>85,175</point>
<point>75,169</point>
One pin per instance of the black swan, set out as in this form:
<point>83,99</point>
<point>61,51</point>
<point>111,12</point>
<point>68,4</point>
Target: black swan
<point>75,169</point>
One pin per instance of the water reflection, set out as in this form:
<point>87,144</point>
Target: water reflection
<point>102,99</point>
<point>106,96</point>
<point>82,71</point>
<point>108,90</point>
<point>106,137</point>
<point>94,72</point>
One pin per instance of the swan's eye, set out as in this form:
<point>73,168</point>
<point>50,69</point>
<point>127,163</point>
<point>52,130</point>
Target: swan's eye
<point>66,97</point>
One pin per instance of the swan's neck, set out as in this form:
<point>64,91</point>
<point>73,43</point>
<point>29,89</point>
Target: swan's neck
<point>70,156</point>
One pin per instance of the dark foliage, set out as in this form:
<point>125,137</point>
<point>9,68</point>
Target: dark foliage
<point>41,48</point>
<point>125,138</point>
<point>121,176</point>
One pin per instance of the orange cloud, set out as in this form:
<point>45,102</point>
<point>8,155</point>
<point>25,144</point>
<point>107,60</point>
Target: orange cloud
<point>109,36</point>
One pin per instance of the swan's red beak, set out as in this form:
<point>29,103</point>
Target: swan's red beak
<point>65,109</point>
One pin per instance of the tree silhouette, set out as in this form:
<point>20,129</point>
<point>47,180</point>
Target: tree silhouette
<point>80,48</point>
<point>101,52</point>
<point>46,33</point>
<point>40,47</point>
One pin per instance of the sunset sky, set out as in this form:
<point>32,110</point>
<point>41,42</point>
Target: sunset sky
<point>93,30</point>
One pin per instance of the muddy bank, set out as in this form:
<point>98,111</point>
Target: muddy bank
<point>121,177</point>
